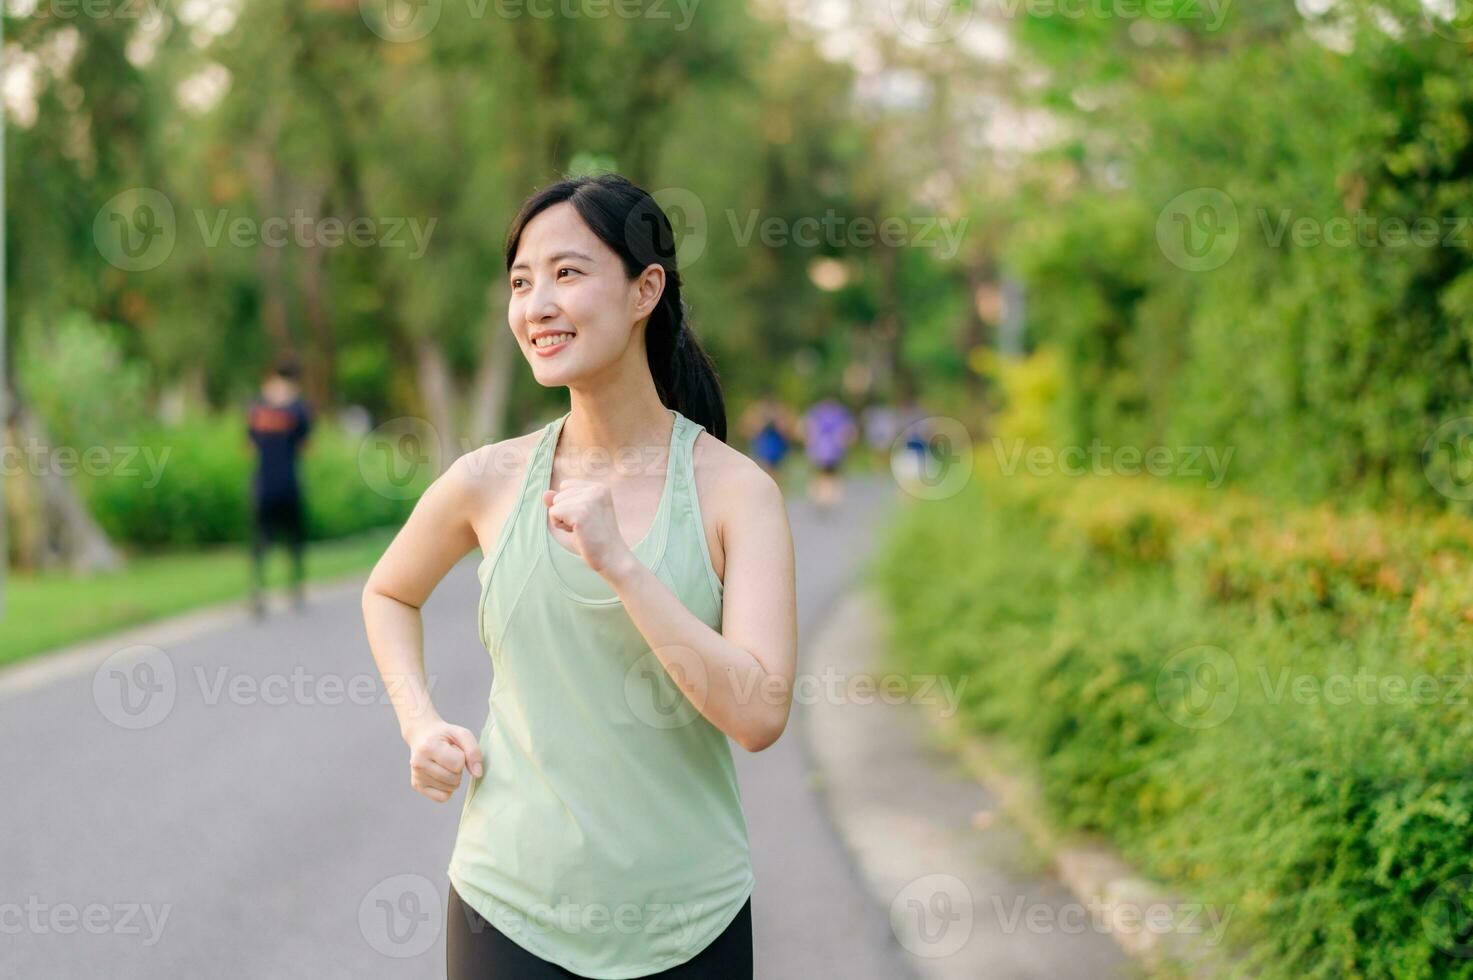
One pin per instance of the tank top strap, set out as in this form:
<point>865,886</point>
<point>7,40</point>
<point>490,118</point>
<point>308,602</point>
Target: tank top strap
<point>684,462</point>
<point>539,468</point>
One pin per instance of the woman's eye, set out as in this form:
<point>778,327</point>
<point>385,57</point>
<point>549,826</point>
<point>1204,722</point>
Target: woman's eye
<point>566,269</point>
<point>515,282</point>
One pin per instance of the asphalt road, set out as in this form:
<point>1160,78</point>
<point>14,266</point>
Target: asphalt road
<point>236,804</point>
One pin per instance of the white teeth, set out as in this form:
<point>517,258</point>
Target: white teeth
<point>552,338</point>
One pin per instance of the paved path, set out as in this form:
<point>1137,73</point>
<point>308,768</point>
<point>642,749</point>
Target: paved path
<point>969,895</point>
<point>252,818</point>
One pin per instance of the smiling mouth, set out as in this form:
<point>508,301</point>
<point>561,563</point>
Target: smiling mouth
<point>552,342</point>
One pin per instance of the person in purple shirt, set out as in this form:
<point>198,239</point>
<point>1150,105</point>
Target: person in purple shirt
<point>279,422</point>
<point>829,430</point>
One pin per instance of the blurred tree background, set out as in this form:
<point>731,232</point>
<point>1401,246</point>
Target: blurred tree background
<point>1028,150</point>
<point>1053,145</point>
<point>177,124</point>
<point>1190,224</point>
<point>1327,358</point>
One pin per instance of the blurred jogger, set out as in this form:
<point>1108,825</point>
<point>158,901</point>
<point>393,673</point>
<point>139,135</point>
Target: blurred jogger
<point>278,424</point>
<point>828,431</point>
<point>770,430</point>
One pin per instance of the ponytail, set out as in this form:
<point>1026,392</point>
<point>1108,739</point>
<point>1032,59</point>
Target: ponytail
<point>685,376</point>
<point>631,223</point>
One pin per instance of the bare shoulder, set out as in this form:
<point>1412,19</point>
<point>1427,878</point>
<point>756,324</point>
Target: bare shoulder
<point>735,492</point>
<point>490,476</point>
<point>508,457</point>
<point>732,481</point>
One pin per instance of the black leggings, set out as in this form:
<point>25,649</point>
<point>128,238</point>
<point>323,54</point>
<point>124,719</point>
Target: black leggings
<point>477,950</point>
<point>277,516</point>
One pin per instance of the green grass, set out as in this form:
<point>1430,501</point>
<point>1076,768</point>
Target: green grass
<point>45,612</point>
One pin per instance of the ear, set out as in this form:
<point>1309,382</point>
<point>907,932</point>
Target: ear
<point>648,289</point>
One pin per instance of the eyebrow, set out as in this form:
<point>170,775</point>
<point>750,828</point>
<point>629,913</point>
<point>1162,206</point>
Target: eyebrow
<point>555,258</point>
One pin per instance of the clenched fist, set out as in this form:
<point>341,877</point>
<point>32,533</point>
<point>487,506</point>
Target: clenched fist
<point>438,753</point>
<point>586,509</point>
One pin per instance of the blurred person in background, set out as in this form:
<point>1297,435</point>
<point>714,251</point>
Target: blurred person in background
<point>278,423</point>
<point>829,430</point>
<point>910,447</point>
<point>881,424</point>
<point>770,430</point>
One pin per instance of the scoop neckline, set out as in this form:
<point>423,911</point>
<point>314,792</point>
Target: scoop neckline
<point>549,542</point>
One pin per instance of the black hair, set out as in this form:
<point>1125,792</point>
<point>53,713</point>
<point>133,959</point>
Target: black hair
<point>287,368</point>
<point>631,223</point>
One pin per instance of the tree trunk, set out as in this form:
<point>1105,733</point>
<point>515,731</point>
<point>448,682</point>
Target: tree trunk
<point>63,534</point>
<point>437,389</point>
<point>319,367</point>
<point>261,164</point>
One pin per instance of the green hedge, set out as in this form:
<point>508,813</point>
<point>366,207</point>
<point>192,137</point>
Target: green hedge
<point>1334,833</point>
<point>1327,356</point>
<point>202,490</point>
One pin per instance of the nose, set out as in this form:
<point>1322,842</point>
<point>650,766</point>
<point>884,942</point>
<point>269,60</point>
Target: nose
<point>540,305</point>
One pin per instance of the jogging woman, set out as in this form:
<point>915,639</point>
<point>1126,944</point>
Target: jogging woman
<point>637,600</point>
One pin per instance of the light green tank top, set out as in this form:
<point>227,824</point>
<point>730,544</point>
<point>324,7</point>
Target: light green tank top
<point>606,834</point>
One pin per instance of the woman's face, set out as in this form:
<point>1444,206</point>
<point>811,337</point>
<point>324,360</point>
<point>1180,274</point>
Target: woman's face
<point>568,287</point>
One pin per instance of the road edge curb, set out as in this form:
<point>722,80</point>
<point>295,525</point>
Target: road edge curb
<point>1092,870</point>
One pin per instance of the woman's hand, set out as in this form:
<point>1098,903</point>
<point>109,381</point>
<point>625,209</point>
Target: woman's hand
<point>438,753</point>
<point>586,509</point>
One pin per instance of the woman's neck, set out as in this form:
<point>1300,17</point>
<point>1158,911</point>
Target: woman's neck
<point>614,421</point>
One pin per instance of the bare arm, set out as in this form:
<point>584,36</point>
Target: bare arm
<point>437,534</point>
<point>740,679</point>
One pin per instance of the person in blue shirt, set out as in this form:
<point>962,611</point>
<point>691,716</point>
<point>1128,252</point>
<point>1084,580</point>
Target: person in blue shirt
<point>279,422</point>
<point>770,430</point>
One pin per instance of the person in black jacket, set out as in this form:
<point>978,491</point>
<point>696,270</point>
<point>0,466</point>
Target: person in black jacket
<point>279,422</point>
